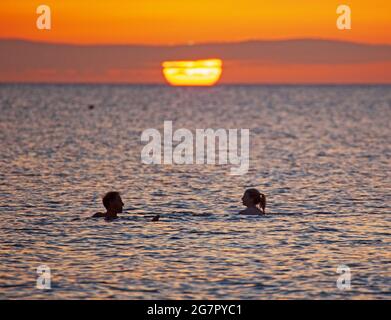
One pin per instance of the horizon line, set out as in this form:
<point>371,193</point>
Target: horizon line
<point>216,85</point>
<point>76,44</point>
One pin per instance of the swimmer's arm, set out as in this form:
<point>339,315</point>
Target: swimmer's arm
<point>156,218</point>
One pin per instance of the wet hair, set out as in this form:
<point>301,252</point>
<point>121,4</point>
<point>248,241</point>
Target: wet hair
<point>258,198</point>
<point>109,197</point>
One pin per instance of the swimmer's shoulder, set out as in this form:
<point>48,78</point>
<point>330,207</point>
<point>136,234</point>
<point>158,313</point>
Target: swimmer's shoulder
<point>98,215</point>
<point>251,212</point>
<point>246,211</point>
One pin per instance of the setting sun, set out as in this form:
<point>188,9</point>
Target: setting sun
<point>192,73</point>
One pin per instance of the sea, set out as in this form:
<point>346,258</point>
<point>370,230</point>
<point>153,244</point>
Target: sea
<point>320,154</point>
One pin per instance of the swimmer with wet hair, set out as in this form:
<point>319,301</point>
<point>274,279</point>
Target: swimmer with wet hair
<point>254,201</point>
<point>113,203</point>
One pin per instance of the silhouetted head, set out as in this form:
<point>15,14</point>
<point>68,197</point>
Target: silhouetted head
<point>253,197</point>
<point>113,202</point>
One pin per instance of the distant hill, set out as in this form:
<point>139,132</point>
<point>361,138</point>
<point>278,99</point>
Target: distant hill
<point>27,61</point>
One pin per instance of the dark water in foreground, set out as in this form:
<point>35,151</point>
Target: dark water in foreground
<point>322,155</point>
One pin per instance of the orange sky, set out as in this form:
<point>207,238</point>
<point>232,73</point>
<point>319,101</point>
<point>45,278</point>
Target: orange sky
<point>184,21</point>
<point>166,22</point>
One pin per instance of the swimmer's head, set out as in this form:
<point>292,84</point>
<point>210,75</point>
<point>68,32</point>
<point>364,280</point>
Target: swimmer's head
<point>253,197</point>
<point>113,202</point>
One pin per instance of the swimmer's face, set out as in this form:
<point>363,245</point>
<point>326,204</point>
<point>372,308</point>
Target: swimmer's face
<point>247,200</point>
<point>117,204</point>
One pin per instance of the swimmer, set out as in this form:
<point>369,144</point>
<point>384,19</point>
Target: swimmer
<point>254,201</point>
<point>113,203</point>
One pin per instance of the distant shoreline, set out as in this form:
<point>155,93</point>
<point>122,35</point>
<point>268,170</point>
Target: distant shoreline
<point>170,45</point>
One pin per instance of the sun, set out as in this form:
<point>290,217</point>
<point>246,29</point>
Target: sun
<point>192,73</point>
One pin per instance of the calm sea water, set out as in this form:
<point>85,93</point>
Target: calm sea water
<point>322,155</point>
